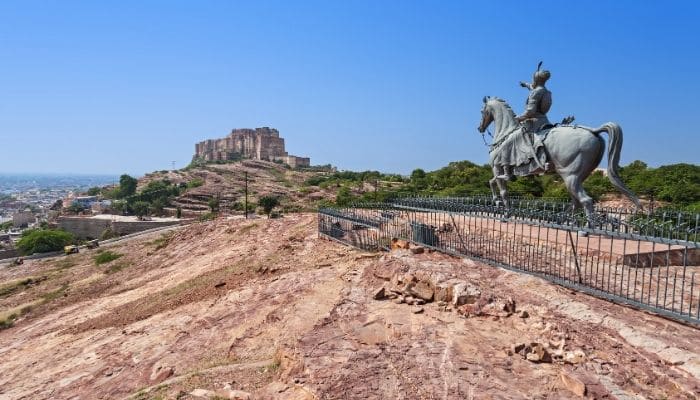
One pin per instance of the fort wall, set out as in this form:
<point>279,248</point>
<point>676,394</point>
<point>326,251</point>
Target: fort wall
<point>259,144</point>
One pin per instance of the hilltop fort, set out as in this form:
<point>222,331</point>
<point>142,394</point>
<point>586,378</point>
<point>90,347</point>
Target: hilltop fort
<point>257,144</point>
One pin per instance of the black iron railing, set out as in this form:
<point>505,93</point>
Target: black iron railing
<point>648,260</point>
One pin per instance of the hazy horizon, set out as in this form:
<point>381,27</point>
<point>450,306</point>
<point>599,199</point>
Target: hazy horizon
<point>130,87</point>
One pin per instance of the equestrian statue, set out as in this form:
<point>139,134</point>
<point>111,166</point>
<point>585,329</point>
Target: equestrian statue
<point>529,144</point>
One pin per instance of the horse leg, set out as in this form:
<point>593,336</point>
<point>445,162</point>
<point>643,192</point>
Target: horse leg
<point>493,184</point>
<point>579,196</point>
<point>503,188</point>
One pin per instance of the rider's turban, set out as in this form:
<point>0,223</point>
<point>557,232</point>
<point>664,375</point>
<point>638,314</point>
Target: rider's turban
<point>541,76</point>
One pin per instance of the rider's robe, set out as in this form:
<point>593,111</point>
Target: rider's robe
<point>521,146</point>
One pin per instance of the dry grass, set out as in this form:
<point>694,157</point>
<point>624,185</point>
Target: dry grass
<point>8,317</point>
<point>163,241</point>
<point>17,284</point>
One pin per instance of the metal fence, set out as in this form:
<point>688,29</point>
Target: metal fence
<point>648,260</point>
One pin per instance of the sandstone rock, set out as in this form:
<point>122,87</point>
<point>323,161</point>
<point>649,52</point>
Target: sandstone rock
<point>538,354</point>
<point>422,290</point>
<point>574,357</point>
<point>444,289</point>
<point>524,314</point>
<point>417,250</point>
<point>408,278</point>
<point>203,393</point>
<point>399,300</point>
<point>399,244</point>
<point>385,270</point>
<point>379,294</point>
<point>417,309</point>
<point>464,294</point>
<point>160,373</point>
<point>572,383</point>
<point>396,291</point>
<point>409,300</point>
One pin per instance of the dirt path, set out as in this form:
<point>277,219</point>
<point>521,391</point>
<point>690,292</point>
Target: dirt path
<point>267,308</point>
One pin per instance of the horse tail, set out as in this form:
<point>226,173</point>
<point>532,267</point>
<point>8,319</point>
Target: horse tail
<point>614,147</point>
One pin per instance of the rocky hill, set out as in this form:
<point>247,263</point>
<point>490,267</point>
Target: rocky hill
<point>265,309</point>
<point>227,182</point>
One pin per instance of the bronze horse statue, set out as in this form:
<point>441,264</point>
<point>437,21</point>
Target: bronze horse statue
<point>573,152</point>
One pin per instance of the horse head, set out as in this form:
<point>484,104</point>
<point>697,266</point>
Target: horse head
<point>486,116</point>
<point>498,111</point>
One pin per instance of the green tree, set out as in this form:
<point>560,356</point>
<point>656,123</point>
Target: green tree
<point>157,206</point>
<point>343,197</point>
<point>120,206</point>
<point>94,191</point>
<point>43,240</point>
<point>268,203</point>
<point>140,208</point>
<point>127,186</point>
<point>213,204</point>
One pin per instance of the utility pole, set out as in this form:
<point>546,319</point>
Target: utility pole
<point>245,206</point>
<point>173,165</point>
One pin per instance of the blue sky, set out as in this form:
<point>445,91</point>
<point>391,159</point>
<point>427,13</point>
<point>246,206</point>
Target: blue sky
<point>129,86</point>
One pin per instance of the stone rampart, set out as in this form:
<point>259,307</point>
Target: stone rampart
<point>257,144</point>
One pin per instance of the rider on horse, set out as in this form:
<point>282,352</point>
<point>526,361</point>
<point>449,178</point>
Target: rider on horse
<point>534,118</point>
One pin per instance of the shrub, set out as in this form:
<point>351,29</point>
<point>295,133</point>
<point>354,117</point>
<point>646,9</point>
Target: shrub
<point>106,256</point>
<point>43,241</point>
<point>196,182</point>
<point>213,204</point>
<point>207,217</point>
<point>140,208</point>
<point>268,203</point>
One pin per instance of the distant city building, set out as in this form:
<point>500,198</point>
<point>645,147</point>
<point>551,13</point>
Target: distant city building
<point>257,144</point>
<point>85,201</point>
<point>22,219</point>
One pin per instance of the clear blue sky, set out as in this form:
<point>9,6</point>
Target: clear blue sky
<point>129,86</point>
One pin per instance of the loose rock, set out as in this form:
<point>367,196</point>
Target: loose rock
<point>160,373</point>
<point>572,383</point>
<point>399,244</point>
<point>203,393</point>
<point>574,357</point>
<point>464,294</point>
<point>421,290</point>
<point>238,395</point>
<point>418,250</point>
